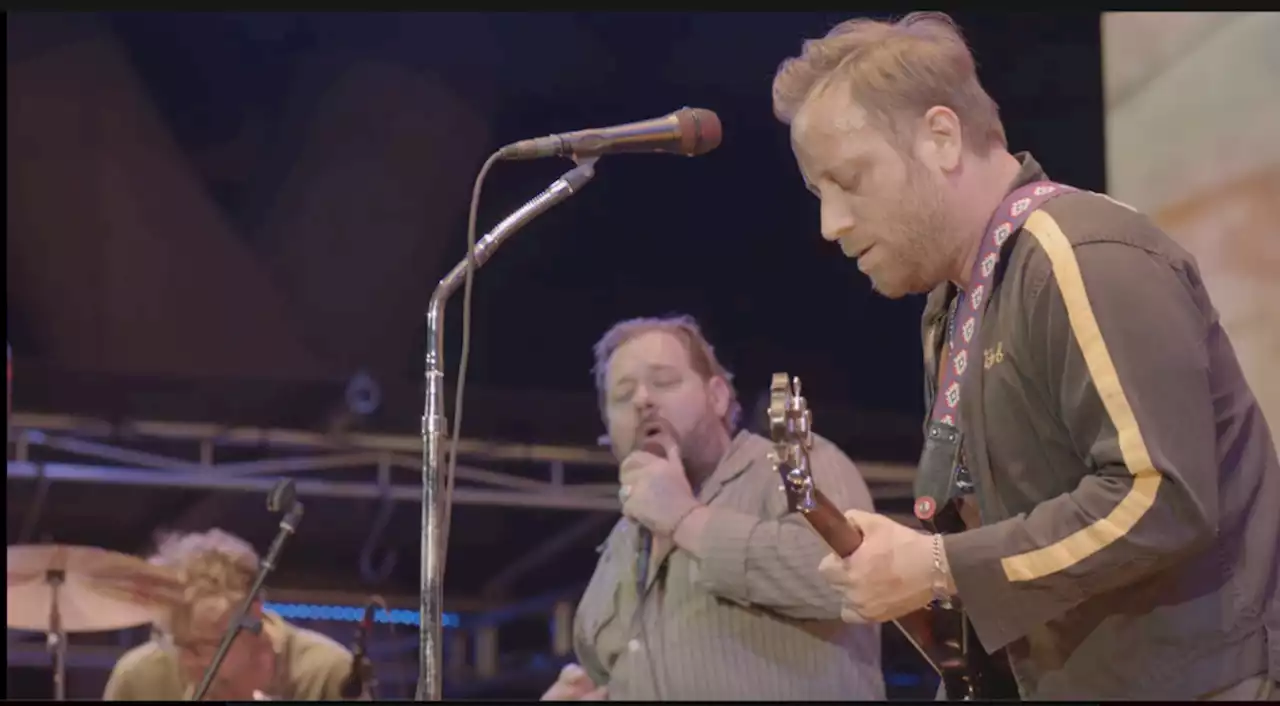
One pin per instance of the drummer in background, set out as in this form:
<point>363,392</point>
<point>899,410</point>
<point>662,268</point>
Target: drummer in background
<point>279,662</point>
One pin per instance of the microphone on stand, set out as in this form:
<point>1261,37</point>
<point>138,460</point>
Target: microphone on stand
<point>688,131</point>
<point>281,499</point>
<point>361,675</point>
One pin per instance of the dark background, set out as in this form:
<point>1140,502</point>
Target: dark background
<point>223,217</point>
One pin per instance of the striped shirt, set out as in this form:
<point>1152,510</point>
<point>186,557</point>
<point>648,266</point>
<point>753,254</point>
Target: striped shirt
<point>752,620</point>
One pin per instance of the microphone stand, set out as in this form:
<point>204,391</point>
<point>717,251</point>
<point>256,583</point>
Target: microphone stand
<point>56,637</point>
<point>434,422</point>
<point>282,496</point>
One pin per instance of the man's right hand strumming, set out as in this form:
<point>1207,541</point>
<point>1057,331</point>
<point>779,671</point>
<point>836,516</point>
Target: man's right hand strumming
<point>574,685</point>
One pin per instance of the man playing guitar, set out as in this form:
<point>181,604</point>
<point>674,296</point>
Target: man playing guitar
<point>1122,486</point>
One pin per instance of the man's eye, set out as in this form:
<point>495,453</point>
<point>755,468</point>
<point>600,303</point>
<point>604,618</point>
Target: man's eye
<point>850,183</point>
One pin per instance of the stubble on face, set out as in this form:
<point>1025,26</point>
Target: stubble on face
<point>915,250</point>
<point>899,229</point>
<point>651,378</point>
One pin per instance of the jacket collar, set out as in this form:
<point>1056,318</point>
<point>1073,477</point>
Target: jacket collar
<point>936,305</point>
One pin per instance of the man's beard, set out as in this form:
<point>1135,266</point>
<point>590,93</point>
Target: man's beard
<point>700,449</point>
<point>917,230</point>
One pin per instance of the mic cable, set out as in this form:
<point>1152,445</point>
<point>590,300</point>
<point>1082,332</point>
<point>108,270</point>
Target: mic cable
<point>361,675</point>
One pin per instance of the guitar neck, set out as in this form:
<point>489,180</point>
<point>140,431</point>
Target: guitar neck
<point>831,525</point>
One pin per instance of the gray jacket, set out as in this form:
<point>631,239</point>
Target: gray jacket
<point>752,620</point>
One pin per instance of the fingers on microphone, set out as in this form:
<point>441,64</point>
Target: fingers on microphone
<point>853,617</point>
<point>628,475</point>
<point>599,694</point>
<point>633,464</point>
<point>832,570</point>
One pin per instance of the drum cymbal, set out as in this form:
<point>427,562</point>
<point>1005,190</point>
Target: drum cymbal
<point>101,590</point>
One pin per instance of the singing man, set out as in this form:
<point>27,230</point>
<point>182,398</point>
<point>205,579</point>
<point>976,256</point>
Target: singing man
<point>1120,486</point>
<point>277,662</point>
<point>733,606</point>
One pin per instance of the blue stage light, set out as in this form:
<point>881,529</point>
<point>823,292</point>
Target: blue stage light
<point>352,614</point>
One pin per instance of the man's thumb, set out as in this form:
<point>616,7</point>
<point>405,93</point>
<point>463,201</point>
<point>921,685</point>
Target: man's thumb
<point>861,519</point>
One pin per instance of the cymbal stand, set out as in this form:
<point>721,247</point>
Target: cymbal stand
<point>57,639</point>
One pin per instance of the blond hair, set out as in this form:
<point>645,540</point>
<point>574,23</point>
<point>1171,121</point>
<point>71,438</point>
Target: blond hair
<point>702,356</point>
<point>897,71</point>
<point>212,564</point>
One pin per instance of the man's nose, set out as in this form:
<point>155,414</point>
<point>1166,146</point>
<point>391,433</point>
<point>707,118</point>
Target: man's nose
<point>836,222</point>
<point>641,399</point>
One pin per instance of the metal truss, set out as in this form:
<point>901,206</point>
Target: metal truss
<point>117,453</point>
<point>60,448</point>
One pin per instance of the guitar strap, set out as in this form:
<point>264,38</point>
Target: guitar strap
<point>942,474</point>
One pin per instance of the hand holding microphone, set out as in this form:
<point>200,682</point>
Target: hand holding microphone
<point>574,684</point>
<point>655,490</point>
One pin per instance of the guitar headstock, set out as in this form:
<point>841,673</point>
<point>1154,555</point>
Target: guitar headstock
<point>789,428</point>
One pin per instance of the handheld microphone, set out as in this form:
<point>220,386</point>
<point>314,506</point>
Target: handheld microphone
<point>644,550</point>
<point>688,131</point>
<point>361,670</point>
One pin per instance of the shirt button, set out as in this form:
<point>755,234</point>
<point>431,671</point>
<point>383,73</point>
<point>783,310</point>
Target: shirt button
<point>633,646</point>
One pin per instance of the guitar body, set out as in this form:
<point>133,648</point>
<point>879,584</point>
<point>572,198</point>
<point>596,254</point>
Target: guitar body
<point>974,674</point>
<point>942,635</point>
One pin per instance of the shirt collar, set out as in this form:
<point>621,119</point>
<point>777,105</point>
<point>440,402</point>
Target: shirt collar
<point>1030,171</point>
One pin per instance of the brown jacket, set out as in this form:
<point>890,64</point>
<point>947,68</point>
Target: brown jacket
<point>311,667</point>
<point>1127,482</point>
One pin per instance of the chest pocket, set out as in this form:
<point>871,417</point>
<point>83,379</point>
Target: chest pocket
<point>597,612</point>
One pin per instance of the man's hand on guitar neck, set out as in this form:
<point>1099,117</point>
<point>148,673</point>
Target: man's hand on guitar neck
<point>894,572</point>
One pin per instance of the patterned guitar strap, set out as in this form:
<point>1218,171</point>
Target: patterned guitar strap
<point>942,475</point>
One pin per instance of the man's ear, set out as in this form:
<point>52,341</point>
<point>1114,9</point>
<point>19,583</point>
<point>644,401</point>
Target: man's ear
<point>720,395</point>
<point>941,139</point>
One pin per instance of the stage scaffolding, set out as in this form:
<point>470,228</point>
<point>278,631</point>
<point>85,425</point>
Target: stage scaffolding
<point>212,457</point>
